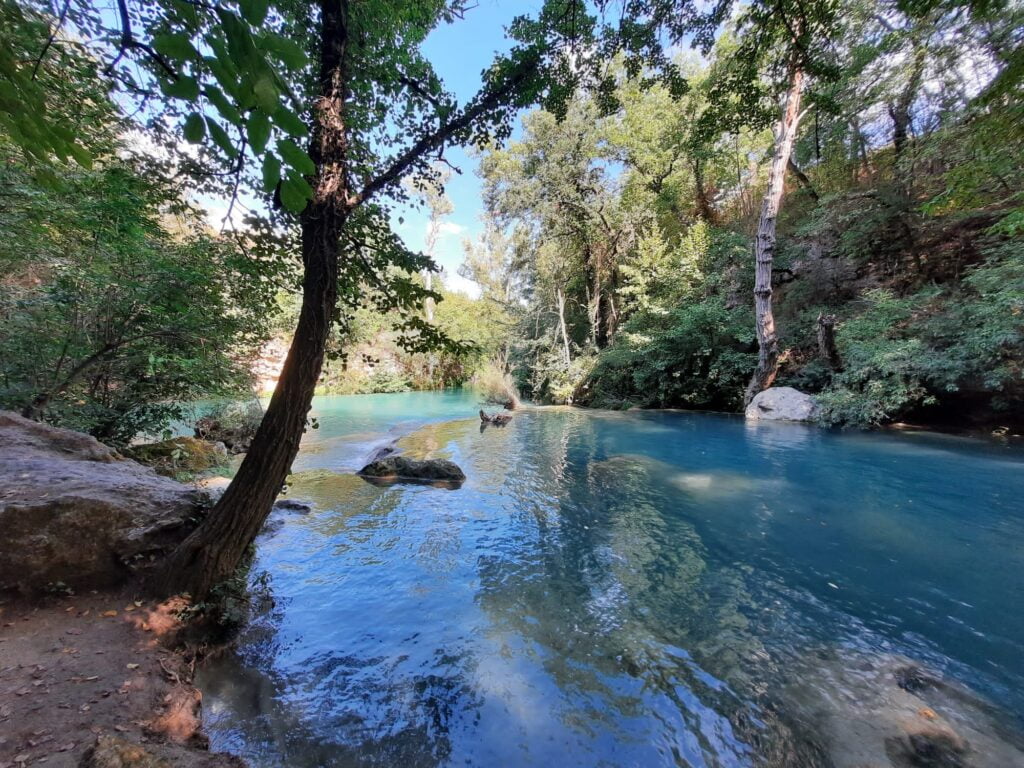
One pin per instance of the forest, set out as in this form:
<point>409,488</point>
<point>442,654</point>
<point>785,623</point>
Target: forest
<point>615,269</point>
<point>681,206</point>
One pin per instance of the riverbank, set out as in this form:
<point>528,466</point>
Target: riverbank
<point>95,680</point>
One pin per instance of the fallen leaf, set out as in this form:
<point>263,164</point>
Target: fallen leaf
<point>109,614</point>
<point>132,666</point>
<point>927,713</point>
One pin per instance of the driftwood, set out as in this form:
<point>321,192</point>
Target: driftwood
<point>498,419</point>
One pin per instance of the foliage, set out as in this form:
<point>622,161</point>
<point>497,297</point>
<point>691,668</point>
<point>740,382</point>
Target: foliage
<point>117,303</point>
<point>496,386</point>
<point>903,353</point>
<point>682,346</point>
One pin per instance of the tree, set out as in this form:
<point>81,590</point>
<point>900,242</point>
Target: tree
<point>350,47</point>
<point>432,193</point>
<point>778,44</point>
<point>231,78</point>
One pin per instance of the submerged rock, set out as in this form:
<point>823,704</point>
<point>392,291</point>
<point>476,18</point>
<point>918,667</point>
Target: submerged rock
<point>399,468</point>
<point>75,513</point>
<point>884,710</point>
<point>782,404</point>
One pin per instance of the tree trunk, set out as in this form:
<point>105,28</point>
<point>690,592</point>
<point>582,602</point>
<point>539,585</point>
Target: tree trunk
<point>899,110</point>
<point>764,243</point>
<point>704,208</point>
<point>428,315</point>
<point>802,178</point>
<point>827,341</point>
<point>561,324</point>
<point>214,551</point>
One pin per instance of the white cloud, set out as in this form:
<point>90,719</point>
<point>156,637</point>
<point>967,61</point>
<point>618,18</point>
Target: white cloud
<point>451,228</point>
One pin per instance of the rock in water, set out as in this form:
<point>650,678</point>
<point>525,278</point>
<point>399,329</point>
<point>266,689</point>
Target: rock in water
<point>393,469</point>
<point>75,512</point>
<point>782,404</point>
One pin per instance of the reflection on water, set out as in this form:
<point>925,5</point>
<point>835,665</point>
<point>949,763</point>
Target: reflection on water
<point>635,589</point>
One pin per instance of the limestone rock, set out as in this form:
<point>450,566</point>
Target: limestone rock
<point>782,404</point>
<point>75,512</point>
<point>399,468</point>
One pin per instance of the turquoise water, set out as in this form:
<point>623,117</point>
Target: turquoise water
<point>642,588</point>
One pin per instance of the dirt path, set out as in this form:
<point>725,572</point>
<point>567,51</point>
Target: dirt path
<point>85,670</point>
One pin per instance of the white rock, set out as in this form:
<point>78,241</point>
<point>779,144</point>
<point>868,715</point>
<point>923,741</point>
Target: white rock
<point>782,404</point>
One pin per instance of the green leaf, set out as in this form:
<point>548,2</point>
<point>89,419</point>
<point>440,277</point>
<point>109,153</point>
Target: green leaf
<point>287,50</point>
<point>254,11</point>
<point>266,94</point>
<point>296,157</point>
<point>290,123</point>
<point>81,155</point>
<point>227,110</point>
<point>220,137</point>
<point>195,128</point>
<point>271,171</point>
<point>176,45</point>
<point>293,196</point>
<point>258,131</point>
<point>301,183</point>
<point>240,44</point>
<point>184,87</point>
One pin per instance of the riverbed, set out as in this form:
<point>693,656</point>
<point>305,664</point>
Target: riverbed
<point>641,588</point>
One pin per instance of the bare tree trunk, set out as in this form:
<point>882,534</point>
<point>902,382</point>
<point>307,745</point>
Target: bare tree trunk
<point>216,548</point>
<point>561,324</point>
<point>764,243</point>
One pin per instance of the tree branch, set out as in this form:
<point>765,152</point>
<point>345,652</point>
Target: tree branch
<point>437,138</point>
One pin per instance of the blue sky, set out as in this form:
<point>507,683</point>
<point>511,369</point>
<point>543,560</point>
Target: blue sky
<point>460,52</point>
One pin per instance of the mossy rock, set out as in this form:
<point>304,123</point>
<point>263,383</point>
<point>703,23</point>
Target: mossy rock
<point>179,455</point>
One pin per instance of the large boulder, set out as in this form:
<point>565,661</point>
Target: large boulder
<point>75,513</point>
<point>392,469</point>
<point>782,404</point>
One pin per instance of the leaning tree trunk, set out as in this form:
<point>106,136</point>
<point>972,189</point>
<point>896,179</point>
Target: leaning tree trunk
<point>764,244</point>
<point>217,547</point>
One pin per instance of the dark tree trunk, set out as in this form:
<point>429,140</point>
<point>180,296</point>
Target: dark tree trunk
<point>704,208</point>
<point>900,109</point>
<point>827,341</point>
<point>217,547</point>
<point>764,244</point>
<point>802,178</point>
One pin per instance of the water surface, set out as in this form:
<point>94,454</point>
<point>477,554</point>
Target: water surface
<point>642,588</point>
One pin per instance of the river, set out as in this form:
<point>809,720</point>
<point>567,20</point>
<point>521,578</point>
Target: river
<point>641,588</point>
